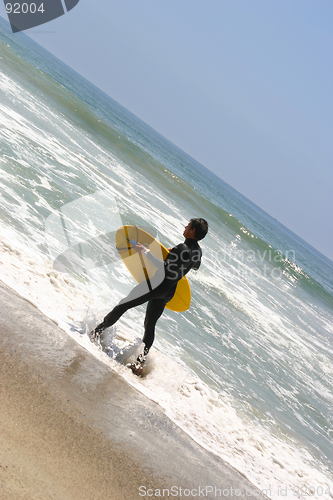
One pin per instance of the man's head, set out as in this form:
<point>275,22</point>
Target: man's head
<point>196,229</point>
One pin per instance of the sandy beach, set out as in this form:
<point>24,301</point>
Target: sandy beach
<point>70,428</point>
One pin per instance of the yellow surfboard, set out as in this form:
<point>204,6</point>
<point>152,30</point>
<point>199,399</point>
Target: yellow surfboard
<point>140,267</point>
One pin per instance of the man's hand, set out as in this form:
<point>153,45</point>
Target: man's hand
<point>140,248</point>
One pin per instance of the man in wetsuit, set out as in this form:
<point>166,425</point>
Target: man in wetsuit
<point>162,286</point>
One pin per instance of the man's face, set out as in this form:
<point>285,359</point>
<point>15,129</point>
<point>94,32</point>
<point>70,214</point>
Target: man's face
<point>188,231</point>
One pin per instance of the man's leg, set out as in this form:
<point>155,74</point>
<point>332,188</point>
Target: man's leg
<point>136,297</point>
<point>154,311</point>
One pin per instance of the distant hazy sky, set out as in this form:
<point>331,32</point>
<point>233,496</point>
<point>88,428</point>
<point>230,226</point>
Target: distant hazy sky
<point>243,86</point>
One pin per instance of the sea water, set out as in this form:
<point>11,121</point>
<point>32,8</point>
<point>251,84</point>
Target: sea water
<point>247,371</point>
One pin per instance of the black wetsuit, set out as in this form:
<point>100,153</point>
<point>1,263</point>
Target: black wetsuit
<point>160,289</point>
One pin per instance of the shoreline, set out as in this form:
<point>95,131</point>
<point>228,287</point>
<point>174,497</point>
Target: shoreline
<point>72,428</point>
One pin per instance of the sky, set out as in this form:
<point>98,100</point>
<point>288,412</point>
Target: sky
<point>243,86</point>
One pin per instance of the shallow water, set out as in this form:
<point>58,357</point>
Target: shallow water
<point>247,371</point>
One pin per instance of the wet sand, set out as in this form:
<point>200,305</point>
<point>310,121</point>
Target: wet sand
<point>70,428</point>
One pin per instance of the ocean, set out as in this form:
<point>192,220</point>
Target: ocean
<point>247,371</point>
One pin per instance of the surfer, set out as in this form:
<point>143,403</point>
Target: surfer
<point>162,286</point>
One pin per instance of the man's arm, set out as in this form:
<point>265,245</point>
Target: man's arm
<point>158,263</point>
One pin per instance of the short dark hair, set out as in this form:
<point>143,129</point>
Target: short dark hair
<point>201,228</point>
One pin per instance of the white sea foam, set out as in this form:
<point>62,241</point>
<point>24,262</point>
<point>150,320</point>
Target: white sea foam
<point>247,372</point>
<point>270,460</point>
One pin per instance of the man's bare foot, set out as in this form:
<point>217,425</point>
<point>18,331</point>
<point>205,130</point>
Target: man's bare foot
<point>137,368</point>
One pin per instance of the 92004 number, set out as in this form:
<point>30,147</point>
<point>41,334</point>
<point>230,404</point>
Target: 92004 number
<point>24,8</point>
<point>308,491</point>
